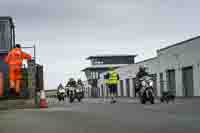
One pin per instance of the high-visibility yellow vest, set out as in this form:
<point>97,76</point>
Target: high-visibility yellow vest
<point>113,78</point>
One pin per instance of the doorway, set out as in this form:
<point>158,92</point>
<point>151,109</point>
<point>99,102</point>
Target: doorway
<point>188,82</point>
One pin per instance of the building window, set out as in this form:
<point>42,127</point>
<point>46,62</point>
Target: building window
<point>188,81</point>
<point>122,87</point>
<point>161,83</point>
<point>93,75</point>
<point>127,88</point>
<point>171,80</point>
<point>97,75</point>
<point>134,86</point>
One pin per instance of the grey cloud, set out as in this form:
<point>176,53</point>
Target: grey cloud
<point>70,30</point>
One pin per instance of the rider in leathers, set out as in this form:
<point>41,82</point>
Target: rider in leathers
<point>142,72</point>
<point>71,83</point>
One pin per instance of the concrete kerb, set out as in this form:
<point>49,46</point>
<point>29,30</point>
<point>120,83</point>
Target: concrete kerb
<point>17,104</point>
<point>178,100</point>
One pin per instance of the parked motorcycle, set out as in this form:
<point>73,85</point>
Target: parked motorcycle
<point>146,92</point>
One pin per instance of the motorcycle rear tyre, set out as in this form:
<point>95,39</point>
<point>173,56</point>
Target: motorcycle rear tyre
<point>79,99</point>
<point>71,100</point>
<point>152,100</point>
<point>142,101</point>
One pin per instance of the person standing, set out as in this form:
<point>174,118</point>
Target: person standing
<point>15,59</point>
<point>112,80</point>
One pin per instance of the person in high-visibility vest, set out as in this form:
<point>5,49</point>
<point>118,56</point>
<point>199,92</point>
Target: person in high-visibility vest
<point>112,80</point>
<point>15,59</point>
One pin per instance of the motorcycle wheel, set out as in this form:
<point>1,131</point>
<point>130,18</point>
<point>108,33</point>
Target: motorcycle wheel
<point>142,101</point>
<point>167,100</point>
<point>151,97</point>
<point>71,100</point>
<point>59,99</point>
<point>152,101</point>
<point>161,100</point>
<point>79,99</point>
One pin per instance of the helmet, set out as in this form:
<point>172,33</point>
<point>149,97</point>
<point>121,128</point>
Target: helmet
<point>111,68</point>
<point>79,81</point>
<point>141,68</point>
<point>17,46</point>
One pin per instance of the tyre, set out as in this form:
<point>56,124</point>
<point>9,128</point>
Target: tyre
<point>59,99</point>
<point>142,100</point>
<point>63,99</point>
<point>167,100</point>
<point>152,101</point>
<point>71,100</point>
<point>151,97</point>
<point>79,99</point>
<point>161,100</point>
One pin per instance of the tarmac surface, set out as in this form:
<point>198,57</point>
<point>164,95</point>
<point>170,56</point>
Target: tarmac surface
<point>98,116</point>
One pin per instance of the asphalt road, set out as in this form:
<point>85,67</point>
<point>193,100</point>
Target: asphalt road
<point>99,117</point>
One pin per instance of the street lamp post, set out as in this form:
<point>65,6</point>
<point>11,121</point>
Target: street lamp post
<point>34,48</point>
<point>34,63</point>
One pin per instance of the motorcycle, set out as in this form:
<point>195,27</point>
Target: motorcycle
<point>81,91</point>
<point>74,93</point>
<point>79,94</point>
<point>146,92</point>
<point>71,94</point>
<point>61,94</point>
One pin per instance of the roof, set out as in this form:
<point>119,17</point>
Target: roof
<point>180,43</point>
<point>146,60</point>
<point>8,18</point>
<point>105,56</point>
<point>50,90</point>
<point>104,66</point>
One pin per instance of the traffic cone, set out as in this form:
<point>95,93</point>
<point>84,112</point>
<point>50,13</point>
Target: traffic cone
<point>43,101</point>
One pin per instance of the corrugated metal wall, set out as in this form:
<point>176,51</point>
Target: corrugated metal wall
<point>4,69</point>
<point>39,78</point>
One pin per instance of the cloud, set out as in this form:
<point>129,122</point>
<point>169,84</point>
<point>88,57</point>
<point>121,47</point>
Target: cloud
<point>67,31</point>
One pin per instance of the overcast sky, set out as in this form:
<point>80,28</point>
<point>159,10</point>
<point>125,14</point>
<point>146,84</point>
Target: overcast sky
<point>67,31</point>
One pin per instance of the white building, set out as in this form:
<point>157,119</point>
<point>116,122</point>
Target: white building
<point>176,67</point>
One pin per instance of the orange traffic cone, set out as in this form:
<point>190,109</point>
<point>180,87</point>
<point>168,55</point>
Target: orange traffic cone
<point>43,101</point>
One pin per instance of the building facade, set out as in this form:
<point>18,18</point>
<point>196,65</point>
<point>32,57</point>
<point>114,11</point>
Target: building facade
<point>175,68</point>
<point>32,80</point>
<point>7,34</point>
<point>51,93</point>
<point>101,64</point>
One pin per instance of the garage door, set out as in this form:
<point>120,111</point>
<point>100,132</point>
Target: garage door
<point>127,88</point>
<point>133,82</point>
<point>161,83</point>
<point>171,80</point>
<point>154,76</point>
<point>188,89</point>
<point>102,90</point>
<point>122,87</point>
